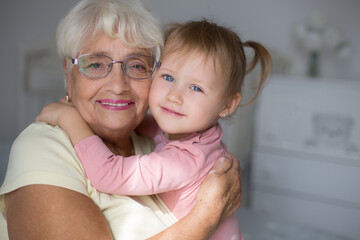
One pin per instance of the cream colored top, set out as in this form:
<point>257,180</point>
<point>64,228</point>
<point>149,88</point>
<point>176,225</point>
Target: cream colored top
<point>43,154</point>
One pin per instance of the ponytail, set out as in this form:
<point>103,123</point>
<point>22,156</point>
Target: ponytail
<point>263,56</point>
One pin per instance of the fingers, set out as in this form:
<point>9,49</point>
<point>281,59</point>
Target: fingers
<point>235,163</point>
<point>66,102</point>
<point>39,116</point>
<point>48,110</point>
<point>235,174</point>
<point>226,163</point>
<point>223,165</point>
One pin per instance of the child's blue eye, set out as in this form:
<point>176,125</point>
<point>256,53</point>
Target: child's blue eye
<point>196,89</point>
<point>168,78</point>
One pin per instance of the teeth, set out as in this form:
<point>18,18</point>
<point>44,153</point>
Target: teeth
<point>115,104</point>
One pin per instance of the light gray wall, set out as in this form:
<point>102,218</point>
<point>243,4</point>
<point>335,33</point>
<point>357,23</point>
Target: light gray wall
<point>21,21</point>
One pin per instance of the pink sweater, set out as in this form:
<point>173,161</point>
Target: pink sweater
<point>174,170</point>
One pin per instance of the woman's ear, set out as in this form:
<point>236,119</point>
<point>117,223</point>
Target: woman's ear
<point>231,105</point>
<point>67,78</point>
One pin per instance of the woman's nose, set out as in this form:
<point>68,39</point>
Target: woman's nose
<point>116,80</point>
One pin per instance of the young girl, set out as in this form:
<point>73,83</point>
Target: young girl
<point>199,81</point>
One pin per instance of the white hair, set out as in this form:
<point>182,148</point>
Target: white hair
<point>129,20</point>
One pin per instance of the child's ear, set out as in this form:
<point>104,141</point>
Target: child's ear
<point>231,105</point>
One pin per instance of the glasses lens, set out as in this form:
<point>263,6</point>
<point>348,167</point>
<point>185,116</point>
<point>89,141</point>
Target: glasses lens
<point>94,66</point>
<point>139,67</point>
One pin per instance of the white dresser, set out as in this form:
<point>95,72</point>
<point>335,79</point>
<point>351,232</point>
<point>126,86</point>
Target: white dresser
<point>306,154</point>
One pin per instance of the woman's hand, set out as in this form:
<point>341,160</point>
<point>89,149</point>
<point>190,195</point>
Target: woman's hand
<point>219,197</point>
<point>220,193</point>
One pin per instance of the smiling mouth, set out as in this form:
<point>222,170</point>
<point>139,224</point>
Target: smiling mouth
<point>171,112</point>
<point>115,104</point>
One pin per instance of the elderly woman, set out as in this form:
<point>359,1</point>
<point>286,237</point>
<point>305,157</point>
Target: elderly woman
<point>46,194</point>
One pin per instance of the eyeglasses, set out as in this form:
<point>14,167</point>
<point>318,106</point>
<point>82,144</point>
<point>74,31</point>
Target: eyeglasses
<point>97,66</point>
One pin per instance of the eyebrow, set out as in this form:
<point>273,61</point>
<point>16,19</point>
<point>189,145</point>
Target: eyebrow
<point>161,69</point>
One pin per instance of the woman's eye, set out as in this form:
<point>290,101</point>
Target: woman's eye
<point>137,67</point>
<point>94,65</point>
<point>196,89</point>
<point>168,78</point>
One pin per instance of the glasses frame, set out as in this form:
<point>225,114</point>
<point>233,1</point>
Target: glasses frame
<point>75,61</point>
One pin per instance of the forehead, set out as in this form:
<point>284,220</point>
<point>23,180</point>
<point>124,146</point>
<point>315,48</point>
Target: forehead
<point>113,47</point>
<point>197,59</point>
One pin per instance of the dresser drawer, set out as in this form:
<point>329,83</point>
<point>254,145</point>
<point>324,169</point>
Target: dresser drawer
<point>339,220</point>
<point>310,177</point>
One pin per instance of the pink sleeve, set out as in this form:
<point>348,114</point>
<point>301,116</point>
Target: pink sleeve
<point>229,230</point>
<point>167,170</point>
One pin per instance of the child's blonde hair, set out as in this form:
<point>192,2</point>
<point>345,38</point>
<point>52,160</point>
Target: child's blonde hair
<point>222,45</point>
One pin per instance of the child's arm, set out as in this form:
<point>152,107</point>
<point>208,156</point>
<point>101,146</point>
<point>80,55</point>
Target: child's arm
<point>68,118</point>
<point>167,170</point>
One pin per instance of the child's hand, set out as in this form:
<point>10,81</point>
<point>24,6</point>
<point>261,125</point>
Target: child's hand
<point>53,112</point>
<point>65,115</point>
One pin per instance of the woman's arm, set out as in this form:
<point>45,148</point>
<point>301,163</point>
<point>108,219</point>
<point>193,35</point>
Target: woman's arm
<point>44,212</point>
<point>38,201</point>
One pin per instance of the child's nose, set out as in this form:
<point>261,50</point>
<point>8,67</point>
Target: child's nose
<point>175,95</point>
